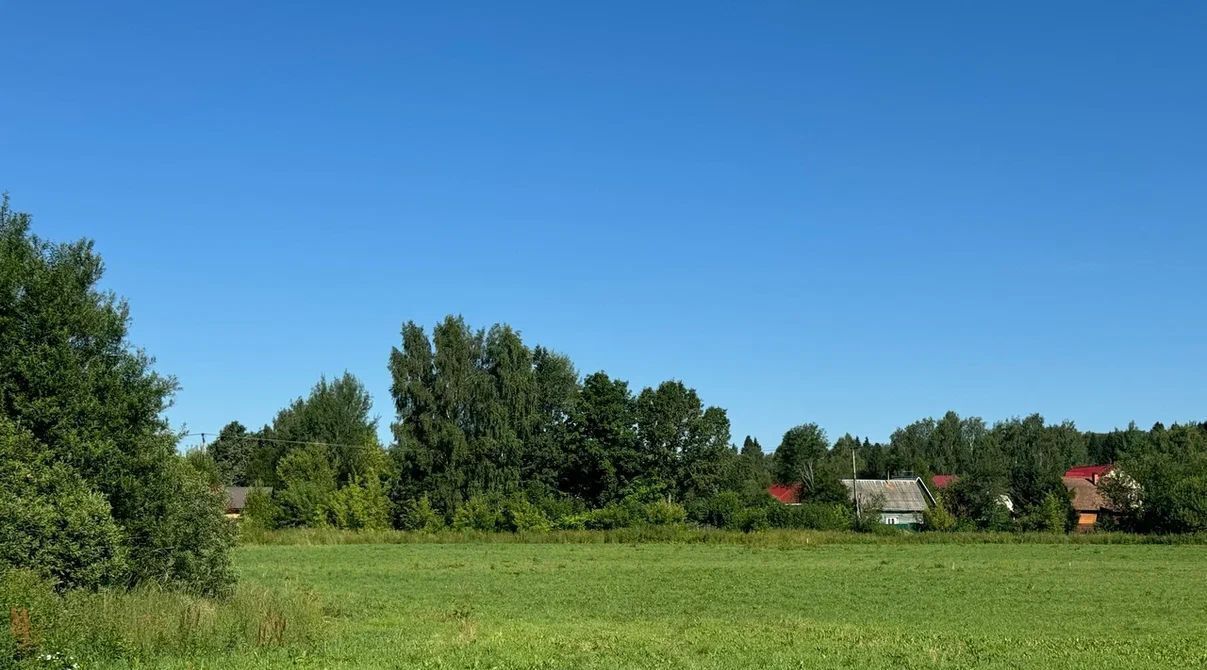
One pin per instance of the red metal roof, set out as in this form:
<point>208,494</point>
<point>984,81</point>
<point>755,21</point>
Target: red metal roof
<point>785,493</point>
<point>943,481</point>
<point>1088,471</point>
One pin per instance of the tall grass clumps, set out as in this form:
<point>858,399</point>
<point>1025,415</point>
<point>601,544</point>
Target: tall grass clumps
<point>145,625</point>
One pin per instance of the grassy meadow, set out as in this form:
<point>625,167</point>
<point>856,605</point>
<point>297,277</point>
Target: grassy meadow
<point>731,605</point>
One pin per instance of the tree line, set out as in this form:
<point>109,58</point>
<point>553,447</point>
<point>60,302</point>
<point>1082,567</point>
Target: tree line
<point>480,416</point>
<point>488,433</point>
<point>484,422</point>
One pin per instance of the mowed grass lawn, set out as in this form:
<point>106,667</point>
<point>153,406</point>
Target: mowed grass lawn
<point>728,606</point>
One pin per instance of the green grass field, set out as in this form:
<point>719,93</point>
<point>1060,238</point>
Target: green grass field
<point>479,605</point>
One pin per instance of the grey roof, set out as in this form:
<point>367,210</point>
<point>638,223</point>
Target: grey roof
<point>893,495</point>
<point>236,496</point>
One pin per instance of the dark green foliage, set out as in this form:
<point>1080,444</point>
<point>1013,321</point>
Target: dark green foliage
<point>602,456</point>
<point>682,443</point>
<point>420,515</point>
<point>479,513</point>
<point>50,522</point>
<point>800,456</point>
<point>557,396</point>
<point>69,378</point>
<point>260,510</point>
<point>719,511</point>
<point>1161,484</point>
<point>810,516</point>
<point>188,542</point>
<point>804,456</point>
<point>1050,515</point>
<point>1037,455</point>
<point>306,480</point>
<point>939,518</point>
<point>360,505</point>
<point>336,415</point>
<point>478,413</point>
<point>203,465</point>
<point>981,499</point>
<point>232,453</point>
<point>946,445</point>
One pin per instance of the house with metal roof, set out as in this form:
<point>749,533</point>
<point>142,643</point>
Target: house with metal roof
<point>901,502</point>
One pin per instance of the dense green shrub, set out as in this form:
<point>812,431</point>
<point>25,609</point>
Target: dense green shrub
<point>719,511</point>
<point>70,378</point>
<point>260,510</point>
<point>810,516</point>
<point>663,513</point>
<point>630,512</point>
<point>752,519</point>
<point>360,506</point>
<point>50,521</point>
<point>555,505</point>
<point>187,543</point>
<point>521,515</point>
<point>421,516</point>
<point>939,518</point>
<point>307,485</point>
<point>479,513</point>
<point>1051,515</point>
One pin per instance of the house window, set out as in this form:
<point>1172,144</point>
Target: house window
<point>892,521</point>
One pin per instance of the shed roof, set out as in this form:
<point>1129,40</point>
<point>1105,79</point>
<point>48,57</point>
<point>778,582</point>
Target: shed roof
<point>892,495</point>
<point>236,496</point>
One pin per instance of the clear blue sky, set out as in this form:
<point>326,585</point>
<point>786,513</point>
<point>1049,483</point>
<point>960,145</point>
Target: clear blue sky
<point>854,215</point>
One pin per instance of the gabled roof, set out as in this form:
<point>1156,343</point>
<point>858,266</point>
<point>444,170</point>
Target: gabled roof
<point>1086,497</point>
<point>892,495</point>
<point>1089,471</point>
<point>788,494</point>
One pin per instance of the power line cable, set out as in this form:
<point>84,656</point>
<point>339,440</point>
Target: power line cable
<point>274,439</point>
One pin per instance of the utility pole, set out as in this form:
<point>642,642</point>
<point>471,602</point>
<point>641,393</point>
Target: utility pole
<point>855,487</point>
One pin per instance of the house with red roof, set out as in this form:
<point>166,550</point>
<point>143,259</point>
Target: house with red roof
<point>1082,482</point>
<point>1090,472</point>
<point>789,494</point>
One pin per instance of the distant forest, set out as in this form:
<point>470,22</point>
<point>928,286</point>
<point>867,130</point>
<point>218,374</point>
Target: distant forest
<point>492,433</point>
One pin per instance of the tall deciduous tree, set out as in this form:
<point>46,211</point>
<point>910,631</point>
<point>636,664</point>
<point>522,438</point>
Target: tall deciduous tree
<point>232,453</point>
<point>72,381</point>
<point>602,457</point>
<point>335,413</point>
<point>800,455</point>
